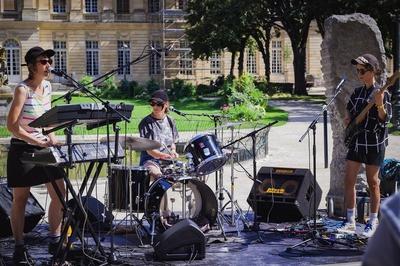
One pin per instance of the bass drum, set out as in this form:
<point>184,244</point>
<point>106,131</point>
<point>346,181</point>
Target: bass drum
<point>164,198</point>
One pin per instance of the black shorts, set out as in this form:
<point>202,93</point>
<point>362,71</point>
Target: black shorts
<point>20,174</point>
<point>370,158</point>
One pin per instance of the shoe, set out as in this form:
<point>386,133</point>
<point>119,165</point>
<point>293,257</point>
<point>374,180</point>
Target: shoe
<point>347,228</point>
<point>21,256</point>
<point>370,229</point>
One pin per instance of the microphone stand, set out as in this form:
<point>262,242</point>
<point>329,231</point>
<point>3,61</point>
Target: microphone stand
<point>256,227</point>
<point>314,234</point>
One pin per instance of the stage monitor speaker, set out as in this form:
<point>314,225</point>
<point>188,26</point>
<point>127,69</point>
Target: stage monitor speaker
<point>98,216</point>
<point>183,241</point>
<point>33,211</point>
<point>284,195</point>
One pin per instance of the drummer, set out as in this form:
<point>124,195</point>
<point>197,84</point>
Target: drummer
<point>160,127</point>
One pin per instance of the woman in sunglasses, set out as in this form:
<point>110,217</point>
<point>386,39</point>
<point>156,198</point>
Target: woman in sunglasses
<point>32,98</point>
<point>160,127</point>
<point>368,147</point>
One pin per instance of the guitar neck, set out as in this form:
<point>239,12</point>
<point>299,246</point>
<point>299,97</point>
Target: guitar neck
<point>361,116</point>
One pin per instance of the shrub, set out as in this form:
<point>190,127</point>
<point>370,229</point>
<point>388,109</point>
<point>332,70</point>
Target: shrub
<point>151,86</point>
<point>244,100</point>
<point>131,89</point>
<point>180,89</point>
<point>109,89</point>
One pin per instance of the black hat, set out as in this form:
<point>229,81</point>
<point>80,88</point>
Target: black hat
<point>37,51</point>
<point>160,96</point>
<point>365,60</point>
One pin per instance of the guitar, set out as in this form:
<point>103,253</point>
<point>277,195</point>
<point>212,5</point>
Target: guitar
<point>353,128</point>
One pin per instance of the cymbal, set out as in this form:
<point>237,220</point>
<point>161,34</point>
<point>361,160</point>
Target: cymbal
<point>134,143</point>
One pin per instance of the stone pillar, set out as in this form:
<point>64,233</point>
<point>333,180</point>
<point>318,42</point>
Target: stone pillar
<point>76,14</point>
<point>346,37</point>
<point>29,11</point>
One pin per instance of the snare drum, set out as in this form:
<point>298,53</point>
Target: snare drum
<point>200,206</point>
<point>207,155</point>
<point>120,195</point>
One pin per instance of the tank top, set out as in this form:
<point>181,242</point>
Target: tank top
<point>35,105</point>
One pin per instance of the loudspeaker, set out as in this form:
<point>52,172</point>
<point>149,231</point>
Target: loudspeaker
<point>183,241</point>
<point>284,195</point>
<point>99,217</point>
<point>33,211</point>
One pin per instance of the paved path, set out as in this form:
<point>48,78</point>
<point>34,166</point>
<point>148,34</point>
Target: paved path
<point>285,150</point>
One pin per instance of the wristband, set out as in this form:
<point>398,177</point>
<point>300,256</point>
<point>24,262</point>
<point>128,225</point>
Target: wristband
<point>382,106</point>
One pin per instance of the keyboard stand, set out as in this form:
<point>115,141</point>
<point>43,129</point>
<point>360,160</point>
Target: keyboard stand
<point>75,214</point>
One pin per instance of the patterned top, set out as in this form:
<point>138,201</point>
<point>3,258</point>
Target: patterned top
<point>35,105</point>
<point>161,130</point>
<point>374,136</point>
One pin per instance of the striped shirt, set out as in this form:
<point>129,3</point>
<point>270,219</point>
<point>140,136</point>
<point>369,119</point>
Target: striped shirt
<point>374,135</point>
<point>35,105</point>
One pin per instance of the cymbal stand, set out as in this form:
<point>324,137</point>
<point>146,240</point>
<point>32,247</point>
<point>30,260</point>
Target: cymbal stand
<point>235,208</point>
<point>252,134</point>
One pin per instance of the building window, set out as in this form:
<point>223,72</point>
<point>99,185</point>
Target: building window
<point>92,58</point>
<point>123,6</point>
<point>91,6</point>
<point>60,58</point>
<point>154,6</point>
<point>155,60</point>
<point>215,64</point>
<point>10,5</point>
<point>276,57</point>
<point>251,63</point>
<point>59,6</point>
<point>13,58</point>
<point>185,61</point>
<point>124,57</point>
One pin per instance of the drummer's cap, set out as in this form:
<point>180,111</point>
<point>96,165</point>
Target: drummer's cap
<point>367,60</point>
<point>159,96</point>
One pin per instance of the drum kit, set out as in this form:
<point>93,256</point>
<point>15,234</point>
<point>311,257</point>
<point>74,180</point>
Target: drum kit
<point>178,194</point>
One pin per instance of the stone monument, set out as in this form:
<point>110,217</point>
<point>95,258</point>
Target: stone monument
<point>346,37</point>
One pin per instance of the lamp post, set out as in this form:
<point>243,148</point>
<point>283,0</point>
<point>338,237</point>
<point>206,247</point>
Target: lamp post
<point>396,67</point>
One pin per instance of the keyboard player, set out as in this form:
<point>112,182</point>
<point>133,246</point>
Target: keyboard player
<point>32,98</point>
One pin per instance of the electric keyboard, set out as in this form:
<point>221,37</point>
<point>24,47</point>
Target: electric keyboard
<point>81,152</point>
<point>83,113</point>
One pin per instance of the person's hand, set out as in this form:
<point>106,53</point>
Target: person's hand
<point>43,143</point>
<point>175,155</point>
<point>379,97</point>
<point>165,156</point>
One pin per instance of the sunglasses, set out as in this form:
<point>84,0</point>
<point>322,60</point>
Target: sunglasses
<point>45,61</point>
<point>161,104</point>
<point>361,71</point>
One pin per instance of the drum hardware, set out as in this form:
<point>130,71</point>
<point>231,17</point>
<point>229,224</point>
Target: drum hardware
<point>204,207</point>
<point>133,176</point>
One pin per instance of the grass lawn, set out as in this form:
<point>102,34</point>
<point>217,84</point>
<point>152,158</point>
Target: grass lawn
<point>191,123</point>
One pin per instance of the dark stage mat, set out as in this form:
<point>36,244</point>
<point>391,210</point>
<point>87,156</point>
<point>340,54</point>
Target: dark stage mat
<point>243,248</point>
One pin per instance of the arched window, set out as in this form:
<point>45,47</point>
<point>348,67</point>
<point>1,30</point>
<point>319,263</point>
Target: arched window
<point>13,60</point>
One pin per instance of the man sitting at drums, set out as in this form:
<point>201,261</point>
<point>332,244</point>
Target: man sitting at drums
<point>160,127</point>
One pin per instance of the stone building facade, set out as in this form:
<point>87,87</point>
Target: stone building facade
<point>92,37</point>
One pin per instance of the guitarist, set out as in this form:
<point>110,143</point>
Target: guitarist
<point>368,146</point>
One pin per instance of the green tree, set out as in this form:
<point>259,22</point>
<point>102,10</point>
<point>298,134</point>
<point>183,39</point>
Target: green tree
<point>216,25</point>
<point>296,16</point>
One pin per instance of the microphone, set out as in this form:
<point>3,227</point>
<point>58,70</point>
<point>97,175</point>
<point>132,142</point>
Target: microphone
<point>155,51</point>
<point>340,84</point>
<point>171,108</point>
<point>59,73</point>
